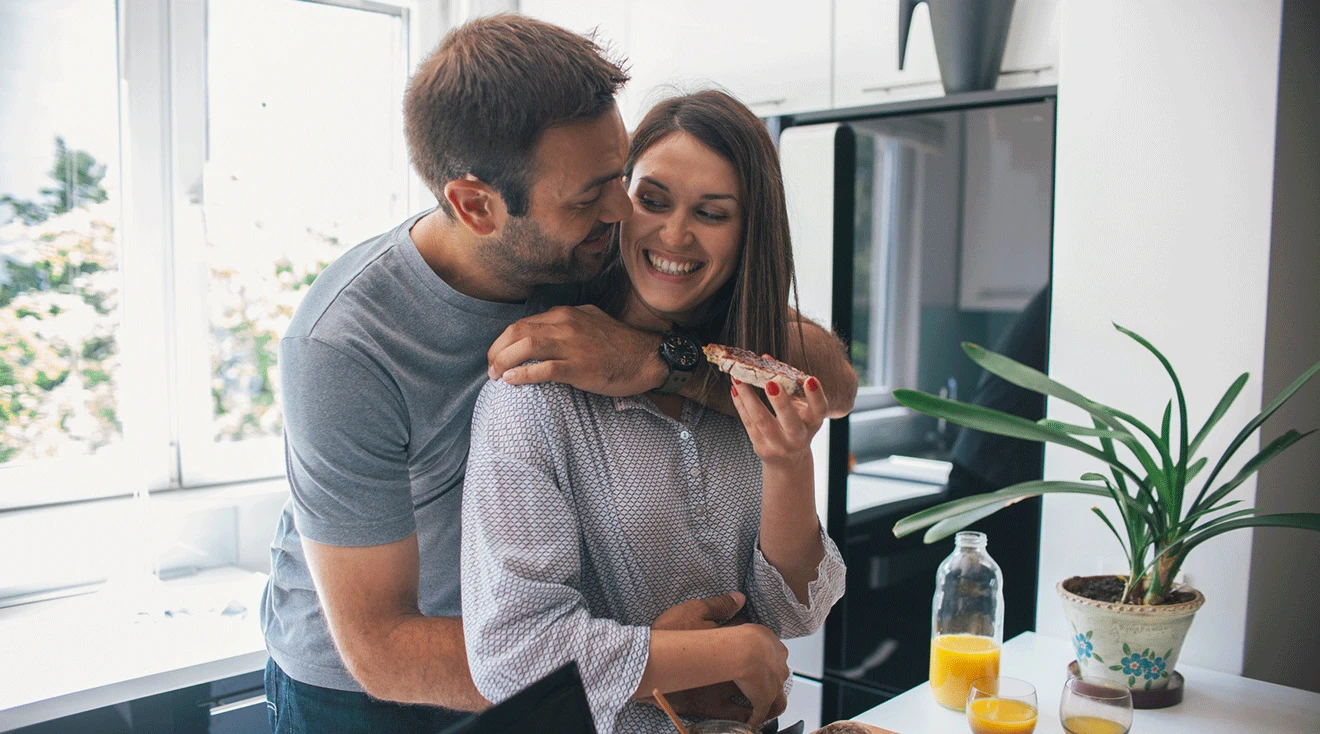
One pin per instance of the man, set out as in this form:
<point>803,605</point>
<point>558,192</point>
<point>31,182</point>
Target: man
<point>513,126</point>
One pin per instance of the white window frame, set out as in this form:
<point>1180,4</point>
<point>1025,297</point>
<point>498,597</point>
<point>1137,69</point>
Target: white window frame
<point>163,332</point>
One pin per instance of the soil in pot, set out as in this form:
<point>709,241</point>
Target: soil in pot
<point>1109,589</point>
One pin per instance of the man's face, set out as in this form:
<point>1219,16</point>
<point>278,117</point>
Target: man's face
<point>576,198</point>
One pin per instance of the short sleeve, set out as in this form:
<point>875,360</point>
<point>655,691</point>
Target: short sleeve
<point>346,446</point>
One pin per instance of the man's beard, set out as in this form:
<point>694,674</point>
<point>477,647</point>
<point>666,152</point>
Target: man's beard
<point>527,256</point>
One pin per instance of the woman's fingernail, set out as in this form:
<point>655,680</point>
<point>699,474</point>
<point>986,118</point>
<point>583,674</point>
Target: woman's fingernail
<point>736,381</point>
<point>813,384</point>
<point>772,388</point>
<point>734,390</point>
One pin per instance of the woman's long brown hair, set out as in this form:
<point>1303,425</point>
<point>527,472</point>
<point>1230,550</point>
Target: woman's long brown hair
<point>751,310</point>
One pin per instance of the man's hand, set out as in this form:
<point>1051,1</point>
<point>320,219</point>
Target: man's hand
<point>717,701</point>
<point>580,346</point>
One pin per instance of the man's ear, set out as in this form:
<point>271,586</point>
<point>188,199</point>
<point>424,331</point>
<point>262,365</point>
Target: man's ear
<point>476,204</point>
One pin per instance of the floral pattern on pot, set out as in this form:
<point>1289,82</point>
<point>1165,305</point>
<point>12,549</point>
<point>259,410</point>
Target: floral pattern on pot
<point>1085,650</point>
<point>1145,665</point>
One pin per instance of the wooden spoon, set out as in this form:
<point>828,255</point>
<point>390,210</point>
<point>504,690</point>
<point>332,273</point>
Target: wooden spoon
<point>669,711</point>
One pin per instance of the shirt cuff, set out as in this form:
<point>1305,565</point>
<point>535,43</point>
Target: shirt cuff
<point>780,606</point>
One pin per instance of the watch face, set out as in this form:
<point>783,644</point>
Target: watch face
<point>680,352</point>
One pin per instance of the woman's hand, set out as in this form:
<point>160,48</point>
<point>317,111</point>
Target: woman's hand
<point>763,668</point>
<point>784,436</point>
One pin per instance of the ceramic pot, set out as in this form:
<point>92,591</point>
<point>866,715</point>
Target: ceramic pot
<point>1134,644</point>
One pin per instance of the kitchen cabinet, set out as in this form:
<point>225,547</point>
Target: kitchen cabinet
<point>774,56</point>
<point>866,52</point>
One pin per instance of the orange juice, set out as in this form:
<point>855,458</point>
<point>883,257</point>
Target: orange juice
<point>956,661</point>
<point>1001,716</point>
<point>1092,725</point>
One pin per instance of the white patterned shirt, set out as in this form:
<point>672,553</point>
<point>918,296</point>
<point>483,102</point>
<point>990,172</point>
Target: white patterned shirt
<point>585,517</point>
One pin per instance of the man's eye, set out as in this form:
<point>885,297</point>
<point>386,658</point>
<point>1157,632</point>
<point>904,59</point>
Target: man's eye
<point>589,202</point>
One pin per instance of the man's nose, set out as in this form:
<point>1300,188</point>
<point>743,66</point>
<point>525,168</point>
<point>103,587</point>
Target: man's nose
<point>616,206</point>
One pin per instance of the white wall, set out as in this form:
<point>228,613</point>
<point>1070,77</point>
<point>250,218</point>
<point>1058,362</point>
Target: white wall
<point>1165,150</point>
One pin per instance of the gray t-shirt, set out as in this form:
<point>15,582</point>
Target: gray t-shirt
<point>380,367</point>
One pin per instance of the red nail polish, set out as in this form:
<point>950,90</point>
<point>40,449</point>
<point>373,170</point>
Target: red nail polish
<point>813,384</point>
<point>772,388</point>
<point>734,390</point>
<point>736,381</point>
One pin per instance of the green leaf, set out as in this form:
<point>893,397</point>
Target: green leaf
<point>1114,667</point>
<point>1032,379</point>
<point>1164,424</point>
<point>1099,659</point>
<point>1220,409</point>
<point>994,421</point>
<point>954,508</point>
<point>1126,650</point>
<point>1300,520</point>
<point>944,528</point>
<point>1177,483</point>
<point>1164,478</point>
<point>1093,477</point>
<point>1122,543</point>
<point>1195,469</point>
<point>1275,447</point>
<point>1255,423</point>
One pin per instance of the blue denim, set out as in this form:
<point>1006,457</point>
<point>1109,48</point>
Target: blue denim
<point>300,708</point>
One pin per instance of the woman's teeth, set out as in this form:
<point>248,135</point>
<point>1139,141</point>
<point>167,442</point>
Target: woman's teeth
<point>671,267</point>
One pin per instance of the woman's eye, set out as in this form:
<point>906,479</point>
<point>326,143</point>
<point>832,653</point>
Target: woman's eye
<point>712,216</point>
<point>650,203</point>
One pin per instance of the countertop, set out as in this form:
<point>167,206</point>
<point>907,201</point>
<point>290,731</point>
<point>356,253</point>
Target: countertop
<point>71,655</point>
<point>1214,703</point>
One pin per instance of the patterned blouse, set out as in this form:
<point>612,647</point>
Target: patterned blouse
<point>585,517</point>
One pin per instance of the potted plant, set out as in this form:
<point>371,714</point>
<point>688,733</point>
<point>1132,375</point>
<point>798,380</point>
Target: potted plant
<point>1131,627</point>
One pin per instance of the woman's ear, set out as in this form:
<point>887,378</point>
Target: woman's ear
<point>476,204</point>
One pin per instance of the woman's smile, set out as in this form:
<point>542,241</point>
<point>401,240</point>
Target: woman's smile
<point>670,267</point>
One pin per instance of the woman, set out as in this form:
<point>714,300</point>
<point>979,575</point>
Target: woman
<point>585,517</point>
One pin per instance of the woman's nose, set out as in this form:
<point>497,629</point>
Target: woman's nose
<point>674,234</point>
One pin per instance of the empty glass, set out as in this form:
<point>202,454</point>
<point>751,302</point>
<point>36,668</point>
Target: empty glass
<point>997,705</point>
<point>1095,706</point>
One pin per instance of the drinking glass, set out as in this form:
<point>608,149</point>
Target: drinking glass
<point>1095,706</point>
<point>1000,705</point>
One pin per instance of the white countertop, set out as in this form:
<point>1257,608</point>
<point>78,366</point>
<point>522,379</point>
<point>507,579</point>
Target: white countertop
<point>63,657</point>
<point>1214,703</point>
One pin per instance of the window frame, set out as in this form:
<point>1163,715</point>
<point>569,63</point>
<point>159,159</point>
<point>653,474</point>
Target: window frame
<point>165,350</point>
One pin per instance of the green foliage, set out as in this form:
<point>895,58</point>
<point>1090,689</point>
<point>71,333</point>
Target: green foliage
<point>1157,527</point>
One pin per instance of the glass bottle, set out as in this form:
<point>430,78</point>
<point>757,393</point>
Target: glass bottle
<point>967,620</point>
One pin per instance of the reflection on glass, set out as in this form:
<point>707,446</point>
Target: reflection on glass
<point>997,705</point>
<point>1093,706</point>
<point>304,135</point>
<point>59,221</point>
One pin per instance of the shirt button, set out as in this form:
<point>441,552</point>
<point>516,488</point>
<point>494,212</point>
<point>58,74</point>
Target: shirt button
<point>694,473</point>
<point>685,435</point>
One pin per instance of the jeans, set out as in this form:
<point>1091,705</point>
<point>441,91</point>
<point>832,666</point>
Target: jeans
<point>299,708</point>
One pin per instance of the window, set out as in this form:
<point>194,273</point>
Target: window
<point>60,257</point>
<point>172,179</point>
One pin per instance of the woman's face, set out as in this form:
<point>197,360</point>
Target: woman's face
<point>682,242</point>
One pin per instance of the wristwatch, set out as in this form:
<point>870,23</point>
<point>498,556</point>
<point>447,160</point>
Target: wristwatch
<point>682,354</point>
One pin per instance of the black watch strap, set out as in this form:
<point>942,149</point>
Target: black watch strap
<point>681,353</point>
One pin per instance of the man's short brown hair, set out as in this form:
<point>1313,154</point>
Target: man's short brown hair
<point>479,104</point>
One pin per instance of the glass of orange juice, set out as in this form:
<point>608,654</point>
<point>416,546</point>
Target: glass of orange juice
<point>998,705</point>
<point>1095,706</point>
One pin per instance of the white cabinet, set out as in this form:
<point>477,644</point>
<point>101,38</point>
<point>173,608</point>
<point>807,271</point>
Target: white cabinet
<point>774,55</point>
<point>804,704</point>
<point>1031,56</point>
<point>866,51</point>
<point>866,54</point>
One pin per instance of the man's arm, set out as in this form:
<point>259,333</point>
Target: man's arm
<point>587,349</point>
<point>369,594</point>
